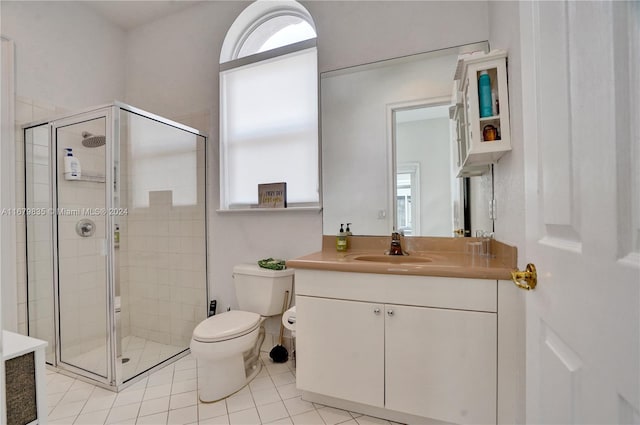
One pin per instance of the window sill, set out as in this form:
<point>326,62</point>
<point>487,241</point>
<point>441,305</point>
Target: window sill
<point>270,210</point>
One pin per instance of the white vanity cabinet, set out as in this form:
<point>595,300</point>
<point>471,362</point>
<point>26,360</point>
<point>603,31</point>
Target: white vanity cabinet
<point>441,363</point>
<point>480,140</point>
<point>343,349</point>
<point>424,347</point>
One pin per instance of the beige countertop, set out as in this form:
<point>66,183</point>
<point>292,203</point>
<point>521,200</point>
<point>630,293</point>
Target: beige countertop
<point>445,257</point>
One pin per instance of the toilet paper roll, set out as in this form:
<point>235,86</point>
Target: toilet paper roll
<point>289,319</point>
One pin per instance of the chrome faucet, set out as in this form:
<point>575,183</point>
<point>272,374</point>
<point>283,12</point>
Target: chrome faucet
<point>396,245</point>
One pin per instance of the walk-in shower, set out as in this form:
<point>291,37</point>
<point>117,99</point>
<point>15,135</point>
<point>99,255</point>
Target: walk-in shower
<point>116,255</point>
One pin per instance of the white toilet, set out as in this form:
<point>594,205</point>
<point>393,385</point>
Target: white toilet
<point>227,345</point>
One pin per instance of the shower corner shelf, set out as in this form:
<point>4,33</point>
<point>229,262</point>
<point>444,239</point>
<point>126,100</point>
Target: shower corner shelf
<point>91,177</point>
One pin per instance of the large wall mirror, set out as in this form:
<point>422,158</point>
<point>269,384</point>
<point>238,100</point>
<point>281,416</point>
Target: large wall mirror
<point>387,150</point>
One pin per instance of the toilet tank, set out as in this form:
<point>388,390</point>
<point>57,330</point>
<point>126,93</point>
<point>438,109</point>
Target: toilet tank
<point>261,290</point>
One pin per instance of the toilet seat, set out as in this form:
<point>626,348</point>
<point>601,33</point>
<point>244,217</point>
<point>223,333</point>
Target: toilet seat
<point>229,325</point>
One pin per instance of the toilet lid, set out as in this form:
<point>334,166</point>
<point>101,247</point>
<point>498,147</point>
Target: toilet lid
<point>226,325</point>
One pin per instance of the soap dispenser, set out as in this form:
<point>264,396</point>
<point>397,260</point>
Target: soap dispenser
<point>71,166</point>
<point>341,240</point>
<point>348,232</point>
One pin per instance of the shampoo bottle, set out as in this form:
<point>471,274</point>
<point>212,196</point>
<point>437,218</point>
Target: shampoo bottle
<point>484,94</point>
<point>72,169</point>
<point>341,240</point>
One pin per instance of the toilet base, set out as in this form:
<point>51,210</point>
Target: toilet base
<point>227,366</point>
<point>223,377</point>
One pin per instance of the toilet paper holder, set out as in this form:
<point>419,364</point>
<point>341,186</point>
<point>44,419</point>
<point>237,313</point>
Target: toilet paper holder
<point>289,319</point>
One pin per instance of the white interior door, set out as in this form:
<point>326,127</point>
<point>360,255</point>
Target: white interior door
<point>580,109</point>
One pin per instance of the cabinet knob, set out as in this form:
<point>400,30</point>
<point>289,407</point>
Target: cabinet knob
<point>376,311</point>
<point>390,312</point>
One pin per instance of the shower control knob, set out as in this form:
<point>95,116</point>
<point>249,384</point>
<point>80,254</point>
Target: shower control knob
<point>85,228</point>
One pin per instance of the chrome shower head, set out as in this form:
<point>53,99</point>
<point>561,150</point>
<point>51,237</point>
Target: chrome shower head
<point>91,141</point>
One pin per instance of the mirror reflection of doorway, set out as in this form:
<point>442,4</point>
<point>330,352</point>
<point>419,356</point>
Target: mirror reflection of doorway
<point>424,192</point>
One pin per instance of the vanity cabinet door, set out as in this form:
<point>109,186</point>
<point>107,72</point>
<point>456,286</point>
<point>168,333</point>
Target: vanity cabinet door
<point>340,349</point>
<point>441,363</point>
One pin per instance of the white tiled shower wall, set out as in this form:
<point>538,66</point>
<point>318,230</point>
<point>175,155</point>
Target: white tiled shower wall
<point>82,260</point>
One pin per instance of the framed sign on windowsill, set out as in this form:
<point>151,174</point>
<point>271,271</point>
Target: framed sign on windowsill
<point>272,195</point>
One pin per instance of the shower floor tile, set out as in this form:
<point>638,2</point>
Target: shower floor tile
<point>144,354</point>
<point>167,397</point>
<point>138,355</point>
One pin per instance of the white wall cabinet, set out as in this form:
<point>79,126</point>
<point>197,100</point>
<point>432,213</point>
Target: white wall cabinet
<point>434,360</point>
<point>480,139</point>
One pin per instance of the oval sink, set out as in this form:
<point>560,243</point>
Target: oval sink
<point>393,259</point>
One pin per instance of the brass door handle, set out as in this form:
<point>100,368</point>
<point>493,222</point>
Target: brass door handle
<point>527,279</point>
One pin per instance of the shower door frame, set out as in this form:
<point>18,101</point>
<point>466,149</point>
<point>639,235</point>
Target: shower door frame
<point>112,121</point>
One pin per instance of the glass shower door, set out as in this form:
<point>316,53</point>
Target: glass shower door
<point>162,240</point>
<point>37,148</point>
<point>82,222</point>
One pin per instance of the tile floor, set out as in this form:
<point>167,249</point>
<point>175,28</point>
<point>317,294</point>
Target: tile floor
<point>169,396</point>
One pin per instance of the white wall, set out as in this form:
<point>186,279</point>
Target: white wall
<point>509,179</point>
<point>509,192</point>
<point>7,79</point>
<point>356,32</point>
<point>172,70</point>
<point>66,54</point>
<point>8,273</point>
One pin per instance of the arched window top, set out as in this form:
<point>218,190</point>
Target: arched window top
<point>276,32</point>
<point>266,25</point>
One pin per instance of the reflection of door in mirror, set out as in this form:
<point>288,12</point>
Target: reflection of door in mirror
<point>408,198</point>
<point>424,190</point>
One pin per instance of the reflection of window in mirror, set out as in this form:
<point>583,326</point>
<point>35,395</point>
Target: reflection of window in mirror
<point>408,198</point>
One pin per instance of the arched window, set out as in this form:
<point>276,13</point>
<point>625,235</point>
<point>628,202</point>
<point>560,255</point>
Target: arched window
<point>276,32</point>
<point>269,105</point>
